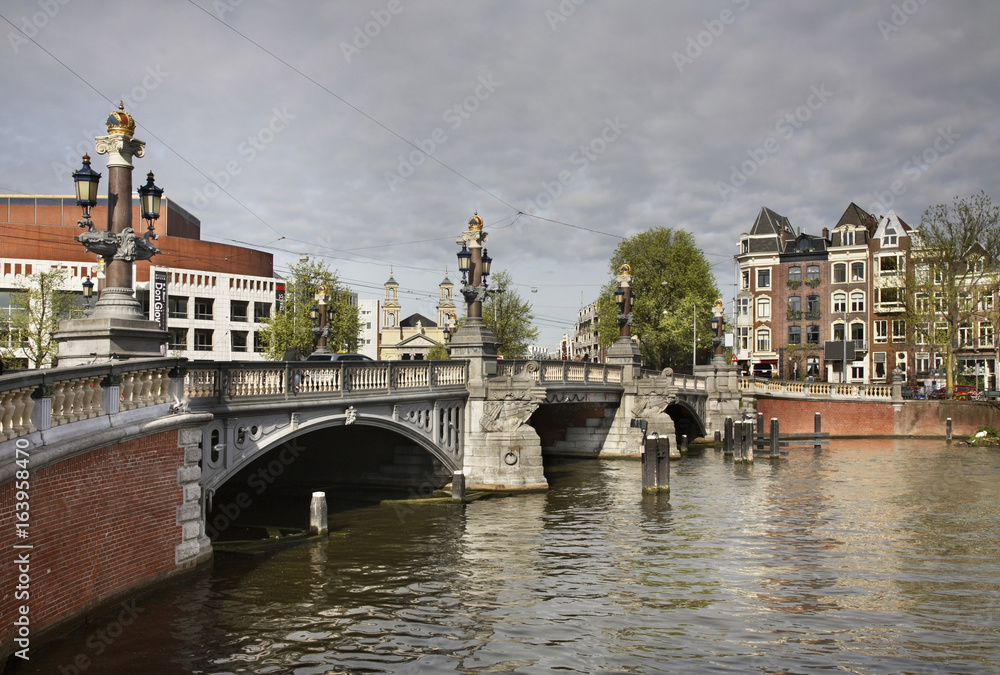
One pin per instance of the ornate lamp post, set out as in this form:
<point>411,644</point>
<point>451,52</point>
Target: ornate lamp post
<point>624,351</point>
<point>718,322</point>
<point>318,314</point>
<point>474,340</point>
<point>116,328</point>
<point>88,293</point>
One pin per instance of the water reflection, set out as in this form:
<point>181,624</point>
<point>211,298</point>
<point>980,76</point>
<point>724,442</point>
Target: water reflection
<point>867,557</point>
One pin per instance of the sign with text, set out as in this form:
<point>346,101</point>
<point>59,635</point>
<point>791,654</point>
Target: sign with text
<point>158,307</point>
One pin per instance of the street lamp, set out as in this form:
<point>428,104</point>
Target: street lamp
<point>88,293</point>
<point>474,340</point>
<point>624,351</point>
<point>86,181</point>
<point>318,315</point>
<point>718,321</point>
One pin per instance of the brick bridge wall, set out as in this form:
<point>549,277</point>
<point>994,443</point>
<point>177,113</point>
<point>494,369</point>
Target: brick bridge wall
<point>101,524</point>
<point>859,418</point>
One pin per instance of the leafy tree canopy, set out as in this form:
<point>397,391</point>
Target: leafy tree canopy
<point>509,317</point>
<point>674,289</point>
<point>37,307</point>
<point>291,328</point>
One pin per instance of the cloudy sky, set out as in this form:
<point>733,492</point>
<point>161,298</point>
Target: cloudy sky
<point>365,134</point>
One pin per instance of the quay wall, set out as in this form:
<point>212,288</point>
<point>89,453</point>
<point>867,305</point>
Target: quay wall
<point>103,522</point>
<point>880,418</point>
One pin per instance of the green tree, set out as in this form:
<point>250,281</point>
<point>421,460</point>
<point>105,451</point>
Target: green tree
<point>291,328</point>
<point>953,275</point>
<point>509,317</point>
<point>674,290</point>
<point>437,353</point>
<point>37,307</point>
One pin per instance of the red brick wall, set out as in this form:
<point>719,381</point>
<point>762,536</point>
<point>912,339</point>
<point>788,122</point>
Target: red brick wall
<point>857,418</point>
<point>100,524</point>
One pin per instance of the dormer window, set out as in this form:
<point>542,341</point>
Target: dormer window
<point>889,237</point>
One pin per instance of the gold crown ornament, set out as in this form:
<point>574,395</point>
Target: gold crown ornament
<point>475,222</point>
<point>120,122</point>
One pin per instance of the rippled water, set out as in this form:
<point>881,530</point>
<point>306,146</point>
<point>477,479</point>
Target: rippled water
<point>866,557</point>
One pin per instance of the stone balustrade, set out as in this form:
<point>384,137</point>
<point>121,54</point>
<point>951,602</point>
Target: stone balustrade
<point>566,372</point>
<point>831,390</point>
<point>43,399</point>
<point>243,380</point>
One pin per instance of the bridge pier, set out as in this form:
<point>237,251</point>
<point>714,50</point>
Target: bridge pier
<point>724,395</point>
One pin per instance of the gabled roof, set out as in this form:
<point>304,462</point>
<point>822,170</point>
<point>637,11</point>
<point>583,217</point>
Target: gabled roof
<point>855,215</point>
<point>805,244</point>
<point>418,340</point>
<point>769,222</point>
<point>411,321</point>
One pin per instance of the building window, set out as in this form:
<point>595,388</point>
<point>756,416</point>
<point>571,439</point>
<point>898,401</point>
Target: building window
<point>857,302</point>
<point>812,366</point>
<point>839,273</point>
<point>794,308</point>
<point>881,331</point>
<point>887,297</point>
<point>764,278</point>
<point>922,302</point>
<point>743,304</point>
<point>838,331</point>
<point>745,280</point>
<point>177,307</point>
<point>795,335</point>
<point>922,333</point>
<point>794,275</point>
<point>857,271</point>
<point>812,307</point>
<point>898,330</point>
<point>986,303</point>
<point>743,333</point>
<point>965,335</point>
<point>763,308</point>
<point>178,338</point>
<point>985,334</point>
<point>848,238</point>
<point>203,308</point>
<point>923,363</point>
<point>238,312</point>
<point>812,274</point>
<point>889,237</point>
<point>203,340</point>
<point>840,303</point>
<point>763,340</point>
<point>858,332</point>
<point>261,311</point>
<point>239,340</point>
<point>812,335</point>
<point>890,265</point>
<point>940,333</point>
<point>878,358</point>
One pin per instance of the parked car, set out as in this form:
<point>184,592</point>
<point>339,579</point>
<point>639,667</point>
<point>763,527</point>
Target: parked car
<point>338,357</point>
<point>960,392</point>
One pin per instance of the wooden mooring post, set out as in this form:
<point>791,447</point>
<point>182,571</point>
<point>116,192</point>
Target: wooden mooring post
<point>727,441</point>
<point>656,464</point>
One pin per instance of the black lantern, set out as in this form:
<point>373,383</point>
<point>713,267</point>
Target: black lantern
<point>620,299</point>
<point>314,313</point>
<point>88,289</point>
<point>149,199</point>
<point>86,180</point>
<point>464,260</point>
<point>487,262</point>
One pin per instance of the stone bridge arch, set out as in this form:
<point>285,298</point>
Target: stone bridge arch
<point>232,443</point>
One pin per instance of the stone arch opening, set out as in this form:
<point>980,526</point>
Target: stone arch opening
<point>687,421</point>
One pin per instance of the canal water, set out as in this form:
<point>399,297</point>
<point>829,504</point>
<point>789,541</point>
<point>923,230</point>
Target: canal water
<point>865,557</point>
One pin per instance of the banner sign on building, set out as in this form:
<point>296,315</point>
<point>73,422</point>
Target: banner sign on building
<point>158,307</point>
<point>279,297</point>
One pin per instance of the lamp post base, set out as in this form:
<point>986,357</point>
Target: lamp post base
<point>476,342</point>
<point>98,339</point>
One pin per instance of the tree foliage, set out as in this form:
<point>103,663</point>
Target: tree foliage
<point>437,352</point>
<point>291,328</point>
<point>953,274</point>
<point>674,290</point>
<point>37,307</point>
<point>509,317</point>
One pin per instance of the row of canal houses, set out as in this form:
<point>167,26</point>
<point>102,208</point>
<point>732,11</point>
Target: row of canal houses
<point>830,306</point>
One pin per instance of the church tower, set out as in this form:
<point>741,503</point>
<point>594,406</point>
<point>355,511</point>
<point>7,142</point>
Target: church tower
<point>446,305</point>
<point>390,308</point>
